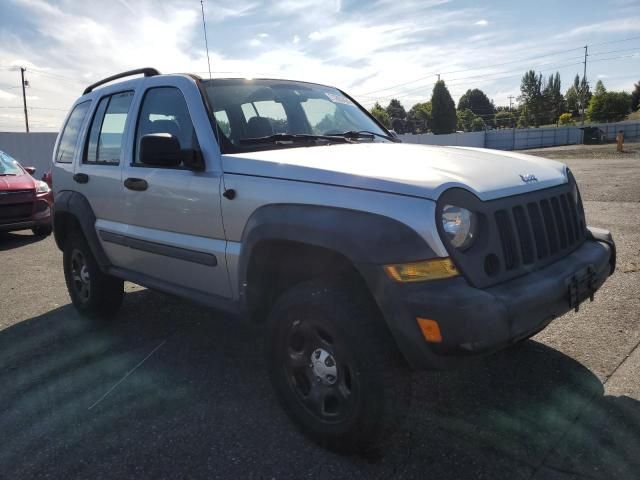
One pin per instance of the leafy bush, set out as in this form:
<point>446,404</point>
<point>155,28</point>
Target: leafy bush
<point>566,119</point>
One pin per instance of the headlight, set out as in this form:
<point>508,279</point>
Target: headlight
<point>42,187</point>
<point>459,226</point>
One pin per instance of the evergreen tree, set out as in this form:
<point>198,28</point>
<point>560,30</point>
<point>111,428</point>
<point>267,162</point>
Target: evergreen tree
<point>443,110</point>
<point>531,97</point>
<point>419,117</point>
<point>396,110</point>
<point>635,97</point>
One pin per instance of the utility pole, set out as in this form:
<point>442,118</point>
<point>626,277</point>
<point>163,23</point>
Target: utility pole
<point>584,79</point>
<point>438,76</point>
<point>511,97</point>
<point>24,99</point>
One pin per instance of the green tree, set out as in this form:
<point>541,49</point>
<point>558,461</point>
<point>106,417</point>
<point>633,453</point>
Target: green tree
<point>443,110</point>
<point>553,99</point>
<point>566,119</point>
<point>396,110</point>
<point>476,101</point>
<point>478,125</point>
<point>531,96</point>
<point>465,120</point>
<point>381,115</point>
<point>608,106</point>
<point>635,97</point>
<point>419,117</point>
<point>505,119</point>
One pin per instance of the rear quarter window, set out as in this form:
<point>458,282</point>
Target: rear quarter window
<point>70,132</point>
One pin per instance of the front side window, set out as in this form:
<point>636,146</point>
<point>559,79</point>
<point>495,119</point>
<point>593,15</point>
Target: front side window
<point>164,110</point>
<point>250,111</point>
<point>106,134</point>
<point>69,137</point>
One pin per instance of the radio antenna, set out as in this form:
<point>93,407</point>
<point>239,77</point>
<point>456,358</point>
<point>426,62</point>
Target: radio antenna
<point>206,43</point>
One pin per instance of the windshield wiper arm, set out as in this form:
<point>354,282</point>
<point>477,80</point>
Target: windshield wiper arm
<point>291,137</point>
<point>354,135</point>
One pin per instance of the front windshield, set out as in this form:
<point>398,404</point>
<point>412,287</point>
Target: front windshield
<point>246,110</point>
<point>8,166</point>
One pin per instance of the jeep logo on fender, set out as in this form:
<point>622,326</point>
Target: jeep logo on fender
<point>528,178</point>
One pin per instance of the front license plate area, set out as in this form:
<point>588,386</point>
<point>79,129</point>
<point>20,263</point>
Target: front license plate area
<point>580,286</point>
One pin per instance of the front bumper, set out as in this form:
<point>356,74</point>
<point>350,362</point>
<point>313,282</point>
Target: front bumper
<point>478,321</point>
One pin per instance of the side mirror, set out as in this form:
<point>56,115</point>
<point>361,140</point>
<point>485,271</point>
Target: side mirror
<point>160,150</point>
<point>30,170</point>
<point>163,150</point>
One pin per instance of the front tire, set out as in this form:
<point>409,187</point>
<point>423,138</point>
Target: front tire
<point>336,368</point>
<point>93,293</point>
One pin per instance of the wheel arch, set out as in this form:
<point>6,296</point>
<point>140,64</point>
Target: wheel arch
<point>72,212</point>
<point>285,244</point>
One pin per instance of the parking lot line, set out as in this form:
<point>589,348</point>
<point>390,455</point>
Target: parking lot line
<point>127,374</point>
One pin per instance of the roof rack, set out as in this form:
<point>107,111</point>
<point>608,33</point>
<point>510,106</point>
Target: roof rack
<point>148,72</point>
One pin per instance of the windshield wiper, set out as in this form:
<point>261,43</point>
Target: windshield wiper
<point>8,174</point>
<point>354,135</point>
<point>292,137</point>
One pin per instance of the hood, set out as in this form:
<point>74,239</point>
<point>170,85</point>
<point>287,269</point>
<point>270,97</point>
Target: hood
<point>407,169</point>
<point>17,182</point>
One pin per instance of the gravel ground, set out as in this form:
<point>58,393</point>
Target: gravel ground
<point>564,405</point>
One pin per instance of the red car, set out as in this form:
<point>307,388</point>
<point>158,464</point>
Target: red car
<point>25,203</point>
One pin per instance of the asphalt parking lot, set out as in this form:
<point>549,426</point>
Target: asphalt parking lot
<point>564,405</point>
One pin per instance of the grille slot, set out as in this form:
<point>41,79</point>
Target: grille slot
<point>538,230</point>
<point>507,238</point>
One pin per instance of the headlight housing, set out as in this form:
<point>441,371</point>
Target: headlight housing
<point>42,187</point>
<point>459,226</point>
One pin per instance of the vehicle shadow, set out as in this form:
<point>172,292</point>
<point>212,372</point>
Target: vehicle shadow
<point>192,400</point>
<point>10,240</point>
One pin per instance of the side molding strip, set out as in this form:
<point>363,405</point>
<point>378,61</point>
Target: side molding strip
<point>160,249</point>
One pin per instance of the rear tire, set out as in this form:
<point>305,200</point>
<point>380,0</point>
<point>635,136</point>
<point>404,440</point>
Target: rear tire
<point>336,368</point>
<point>42,230</point>
<point>93,293</point>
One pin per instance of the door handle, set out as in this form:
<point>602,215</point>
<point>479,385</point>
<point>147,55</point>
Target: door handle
<point>136,184</point>
<point>81,177</point>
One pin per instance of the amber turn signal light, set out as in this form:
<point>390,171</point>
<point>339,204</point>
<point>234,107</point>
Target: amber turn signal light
<point>421,271</point>
<point>430,330</point>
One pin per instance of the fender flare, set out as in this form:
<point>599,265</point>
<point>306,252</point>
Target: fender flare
<point>361,237</point>
<point>77,206</point>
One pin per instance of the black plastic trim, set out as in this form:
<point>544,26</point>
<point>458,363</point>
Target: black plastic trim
<point>188,255</point>
<point>77,205</point>
<point>207,299</point>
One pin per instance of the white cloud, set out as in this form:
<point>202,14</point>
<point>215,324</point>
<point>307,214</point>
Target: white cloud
<point>315,35</point>
<point>255,42</point>
<point>628,24</point>
<point>296,39</point>
<point>263,35</point>
<point>482,23</point>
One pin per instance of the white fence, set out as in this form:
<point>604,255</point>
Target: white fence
<point>523,138</point>
<point>30,149</point>
<point>470,139</point>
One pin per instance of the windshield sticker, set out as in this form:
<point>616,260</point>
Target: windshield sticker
<point>338,98</point>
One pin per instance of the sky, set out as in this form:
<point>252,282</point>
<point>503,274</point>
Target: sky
<point>374,50</point>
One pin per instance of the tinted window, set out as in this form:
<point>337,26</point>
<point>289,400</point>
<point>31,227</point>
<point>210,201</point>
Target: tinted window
<point>164,110</point>
<point>107,129</point>
<point>69,137</point>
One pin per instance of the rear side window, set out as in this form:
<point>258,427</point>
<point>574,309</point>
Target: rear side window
<point>164,110</point>
<point>70,132</point>
<point>104,144</point>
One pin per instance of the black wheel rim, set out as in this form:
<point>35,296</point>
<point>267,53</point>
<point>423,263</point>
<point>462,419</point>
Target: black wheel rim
<point>319,371</point>
<point>80,275</point>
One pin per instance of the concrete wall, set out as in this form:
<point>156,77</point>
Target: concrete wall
<point>30,149</point>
